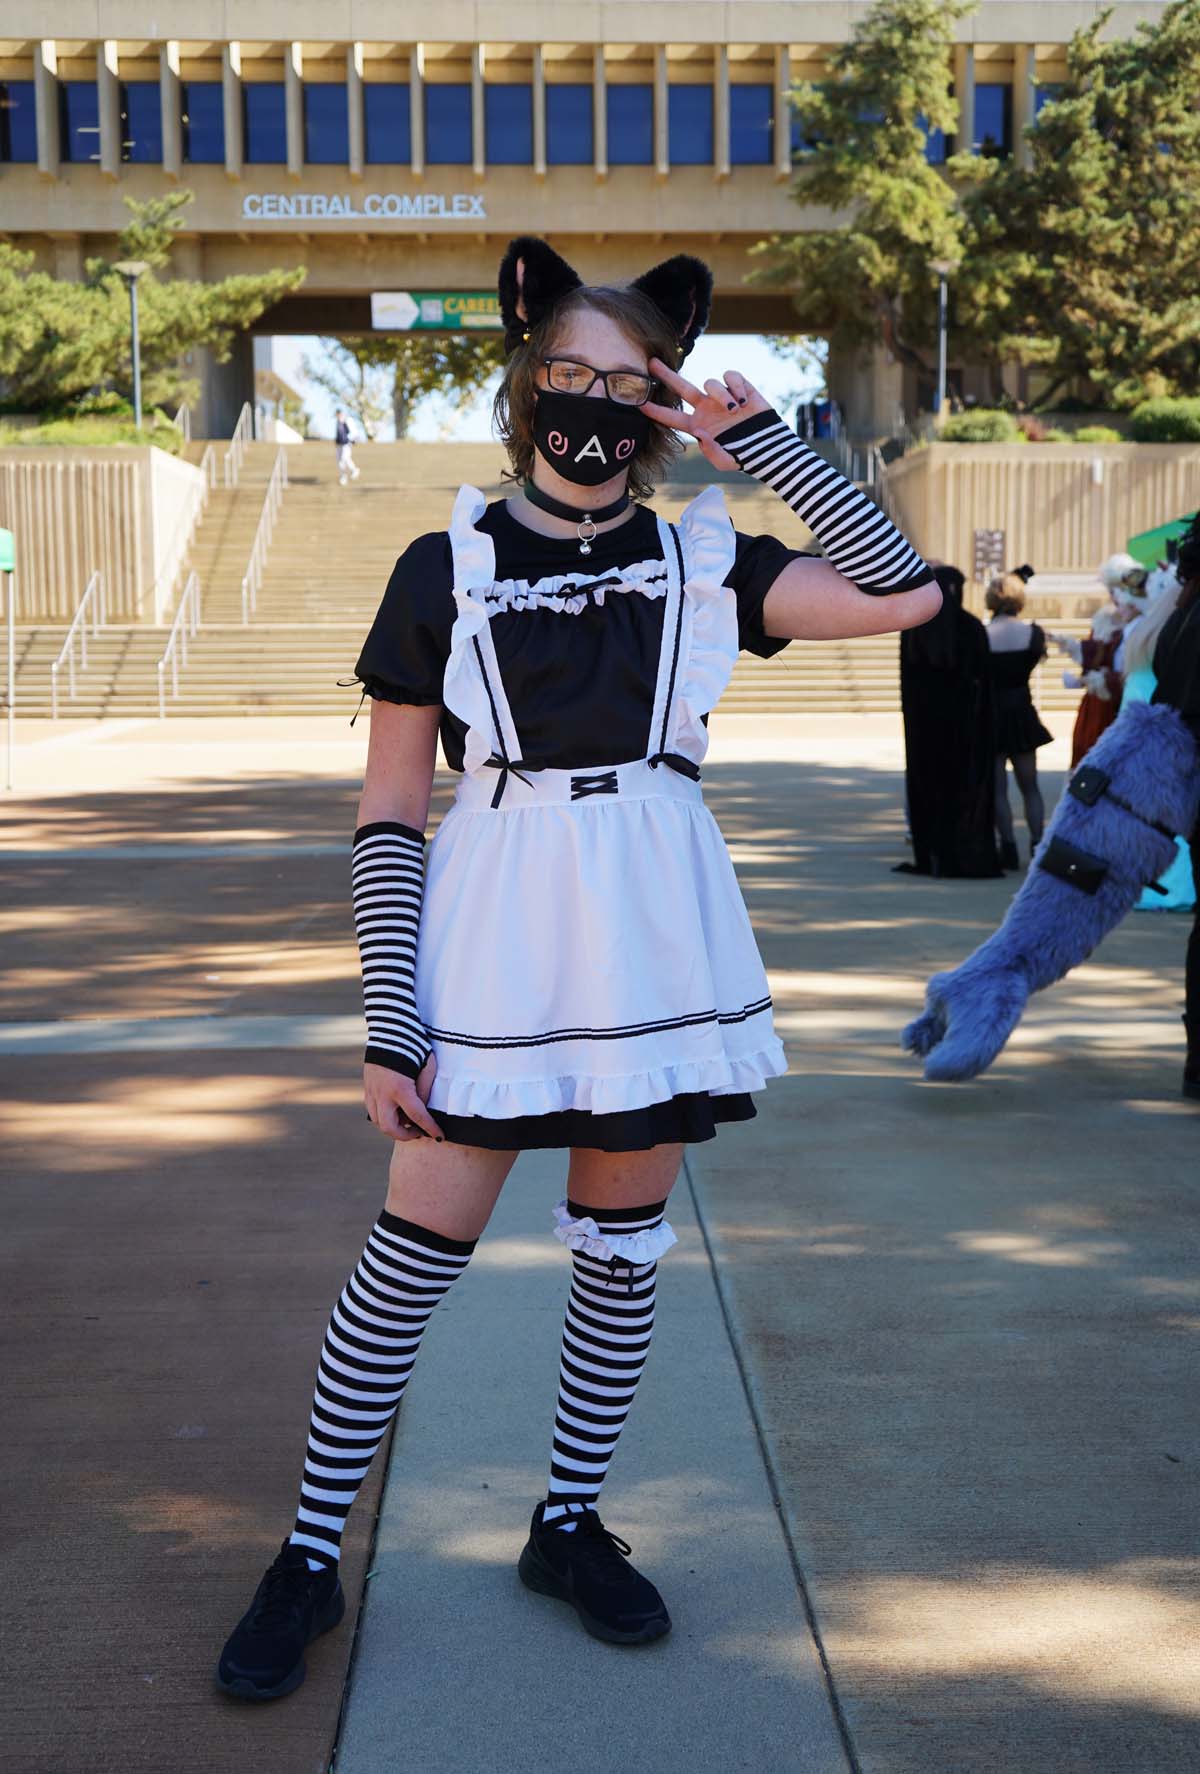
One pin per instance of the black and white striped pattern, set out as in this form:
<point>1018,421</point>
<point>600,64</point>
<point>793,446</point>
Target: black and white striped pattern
<point>387,874</point>
<point>606,1338</point>
<point>368,1354</point>
<point>859,539</point>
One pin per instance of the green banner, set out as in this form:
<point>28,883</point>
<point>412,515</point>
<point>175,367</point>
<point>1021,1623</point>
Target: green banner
<point>442,311</point>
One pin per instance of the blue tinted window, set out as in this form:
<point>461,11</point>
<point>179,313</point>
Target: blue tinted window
<point>802,135</point>
<point>751,125</point>
<point>1045,95</point>
<point>203,122</point>
<point>18,130</point>
<point>508,124</point>
<point>80,120</point>
<point>326,131</point>
<point>993,120</point>
<point>265,122</point>
<point>387,108</point>
<point>448,125</point>
<point>569,124</point>
<point>141,121</point>
<point>935,142</point>
<point>690,125</point>
<point>630,114</point>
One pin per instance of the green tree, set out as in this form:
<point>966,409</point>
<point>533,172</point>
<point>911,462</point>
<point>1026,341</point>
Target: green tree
<point>412,366</point>
<point>864,277</point>
<point>61,341</point>
<point>1085,264</point>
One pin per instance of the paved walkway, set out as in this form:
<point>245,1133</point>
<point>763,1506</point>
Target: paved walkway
<point>914,1458</point>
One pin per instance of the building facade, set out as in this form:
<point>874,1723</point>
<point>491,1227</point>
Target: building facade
<point>385,150</point>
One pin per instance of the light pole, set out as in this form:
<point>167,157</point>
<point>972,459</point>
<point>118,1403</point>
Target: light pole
<point>131,270</point>
<point>944,268</point>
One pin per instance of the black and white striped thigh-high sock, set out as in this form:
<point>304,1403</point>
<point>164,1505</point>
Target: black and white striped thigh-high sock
<point>606,1338</point>
<point>368,1354</point>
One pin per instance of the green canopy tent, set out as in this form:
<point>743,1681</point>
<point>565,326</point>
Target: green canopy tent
<point>1151,545</point>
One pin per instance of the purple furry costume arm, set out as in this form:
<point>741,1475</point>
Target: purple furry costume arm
<point>1153,763</point>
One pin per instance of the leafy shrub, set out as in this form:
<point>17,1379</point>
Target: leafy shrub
<point>985,425</point>
<point>1166,421</point>
<point>1098,434</point>
<point>1056,434</point>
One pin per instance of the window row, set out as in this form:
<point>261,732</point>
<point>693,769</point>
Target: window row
<point>508,123</point>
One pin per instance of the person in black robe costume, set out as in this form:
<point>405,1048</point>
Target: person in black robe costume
<point>950,740</point>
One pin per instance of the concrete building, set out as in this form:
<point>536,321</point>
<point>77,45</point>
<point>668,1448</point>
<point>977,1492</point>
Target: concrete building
<point>389,148</point>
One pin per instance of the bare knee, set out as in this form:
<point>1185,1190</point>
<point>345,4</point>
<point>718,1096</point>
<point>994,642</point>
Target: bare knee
<point>449,1189</point>
<point>623,1179</point>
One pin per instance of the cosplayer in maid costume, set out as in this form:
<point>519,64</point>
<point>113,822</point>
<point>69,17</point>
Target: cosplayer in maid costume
<point>569,962</point>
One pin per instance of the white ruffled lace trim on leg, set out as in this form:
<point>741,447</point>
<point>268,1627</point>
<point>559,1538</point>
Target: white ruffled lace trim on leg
<point>632,1247</point>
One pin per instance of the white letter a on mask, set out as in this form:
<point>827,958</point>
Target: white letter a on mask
<point>592,448</point>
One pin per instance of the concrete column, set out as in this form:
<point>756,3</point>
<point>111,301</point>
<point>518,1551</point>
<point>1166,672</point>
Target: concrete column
<point>231,85</point>
<point>45,83</point>
<point>416,82</point>
<point>478,132</point>
<point>355,118</point>
<point>721,113</point>
<point>964,92</point>
<point>783,113</point>
<point>171,100</point>
<point>599,113</point>
<point>108,94</point>
<point>68,257</point>
<point>662,157</point>
<point>539,112</point>
<point>1024,68</point>
<point>293,108</point>
<point>868,389</point>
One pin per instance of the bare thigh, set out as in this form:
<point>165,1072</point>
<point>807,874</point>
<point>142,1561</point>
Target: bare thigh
<point>623,1179</point>
<point>447,1188</point>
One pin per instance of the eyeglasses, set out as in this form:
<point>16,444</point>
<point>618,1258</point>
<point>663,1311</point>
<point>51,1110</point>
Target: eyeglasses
<point>625,386</point>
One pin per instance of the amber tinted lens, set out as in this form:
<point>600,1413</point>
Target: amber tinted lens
<point>629,390</point>
<point>569,378</point>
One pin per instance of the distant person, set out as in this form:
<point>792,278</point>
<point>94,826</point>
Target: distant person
<point>1098,677</point>
<point>1177,668</point>
<point>1175,890</point>
<point>948,701</point>
<point>1016,649</point>
<point>346,465</point>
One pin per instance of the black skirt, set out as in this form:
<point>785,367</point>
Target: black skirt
<point>691,1117</point>
<point>1019,727</point>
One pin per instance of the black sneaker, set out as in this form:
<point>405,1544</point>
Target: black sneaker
<point>264,1655</point>
<point>586,1568</point>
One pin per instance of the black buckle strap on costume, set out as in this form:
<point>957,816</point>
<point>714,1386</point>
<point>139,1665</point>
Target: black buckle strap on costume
<point>1089,783</point>
<point>677,761</point>
<point>505,768</point>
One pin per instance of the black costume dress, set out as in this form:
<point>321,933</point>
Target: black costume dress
<point>580,695</point>
<point>947,696</point>
<point>1018,725</point>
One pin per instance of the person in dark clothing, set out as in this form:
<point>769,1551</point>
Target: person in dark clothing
<point>1016,650</point>
<point>347,467</point>
<point>1177,668</point>
<point>949,739</point>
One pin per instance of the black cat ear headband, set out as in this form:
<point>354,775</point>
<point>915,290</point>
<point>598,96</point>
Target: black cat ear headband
<point>680,287</point>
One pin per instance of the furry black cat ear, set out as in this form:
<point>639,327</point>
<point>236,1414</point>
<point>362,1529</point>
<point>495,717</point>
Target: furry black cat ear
<point>546,279</point>
<point>682,288</point>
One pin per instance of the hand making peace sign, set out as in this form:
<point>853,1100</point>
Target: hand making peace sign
<point>714,409</point>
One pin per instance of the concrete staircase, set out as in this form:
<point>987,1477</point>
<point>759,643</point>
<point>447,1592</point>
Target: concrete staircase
<point>332,553</point>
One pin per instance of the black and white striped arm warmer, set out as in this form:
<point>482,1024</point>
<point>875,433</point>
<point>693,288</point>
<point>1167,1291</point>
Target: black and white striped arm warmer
<point>387,875</point>
<point>859,539</point>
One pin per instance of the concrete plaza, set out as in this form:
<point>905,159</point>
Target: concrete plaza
<point>914,1459</point>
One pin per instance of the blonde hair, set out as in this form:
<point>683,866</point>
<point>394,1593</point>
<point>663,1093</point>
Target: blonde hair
<point>1006,596</point>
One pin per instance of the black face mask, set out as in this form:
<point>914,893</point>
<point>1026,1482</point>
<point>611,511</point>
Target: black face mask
<point>585,439</point>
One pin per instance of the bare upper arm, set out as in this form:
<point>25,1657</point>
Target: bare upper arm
<point>811,601</point>
<point>401,756</point>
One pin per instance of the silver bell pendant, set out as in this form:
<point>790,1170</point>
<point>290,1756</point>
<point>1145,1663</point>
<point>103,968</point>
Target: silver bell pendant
<point>585,531</point>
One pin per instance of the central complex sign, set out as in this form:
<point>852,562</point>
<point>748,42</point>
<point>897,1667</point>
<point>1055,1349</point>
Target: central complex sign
<point>455,311</point>
<point>315,206</point>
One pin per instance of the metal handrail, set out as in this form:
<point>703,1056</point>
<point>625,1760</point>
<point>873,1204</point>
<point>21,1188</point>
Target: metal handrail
<point>252,577</point>
<point>93,595</point>
<point>187,621</point>
<point>243,431</point>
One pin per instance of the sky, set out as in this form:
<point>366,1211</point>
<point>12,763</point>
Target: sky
<point>712,355</point>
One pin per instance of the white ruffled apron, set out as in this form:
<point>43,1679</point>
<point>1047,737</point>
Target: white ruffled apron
<point>584,943</point>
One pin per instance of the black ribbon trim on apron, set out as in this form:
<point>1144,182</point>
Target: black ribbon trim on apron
<point>506,769</point>
<point>677,761</point>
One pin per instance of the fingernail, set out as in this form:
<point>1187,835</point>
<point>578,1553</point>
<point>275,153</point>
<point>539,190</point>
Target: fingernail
<point>441,1139</point>
<point>731,404</point>
<point>742,400</point>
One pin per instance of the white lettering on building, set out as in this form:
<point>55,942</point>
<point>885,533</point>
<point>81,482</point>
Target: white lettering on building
<point>425,206</point>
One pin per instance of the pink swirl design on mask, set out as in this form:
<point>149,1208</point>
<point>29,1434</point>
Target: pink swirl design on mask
<point>623,449</point>
<point>557,442</point>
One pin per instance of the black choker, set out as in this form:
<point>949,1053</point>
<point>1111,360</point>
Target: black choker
<point>585,521</point>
